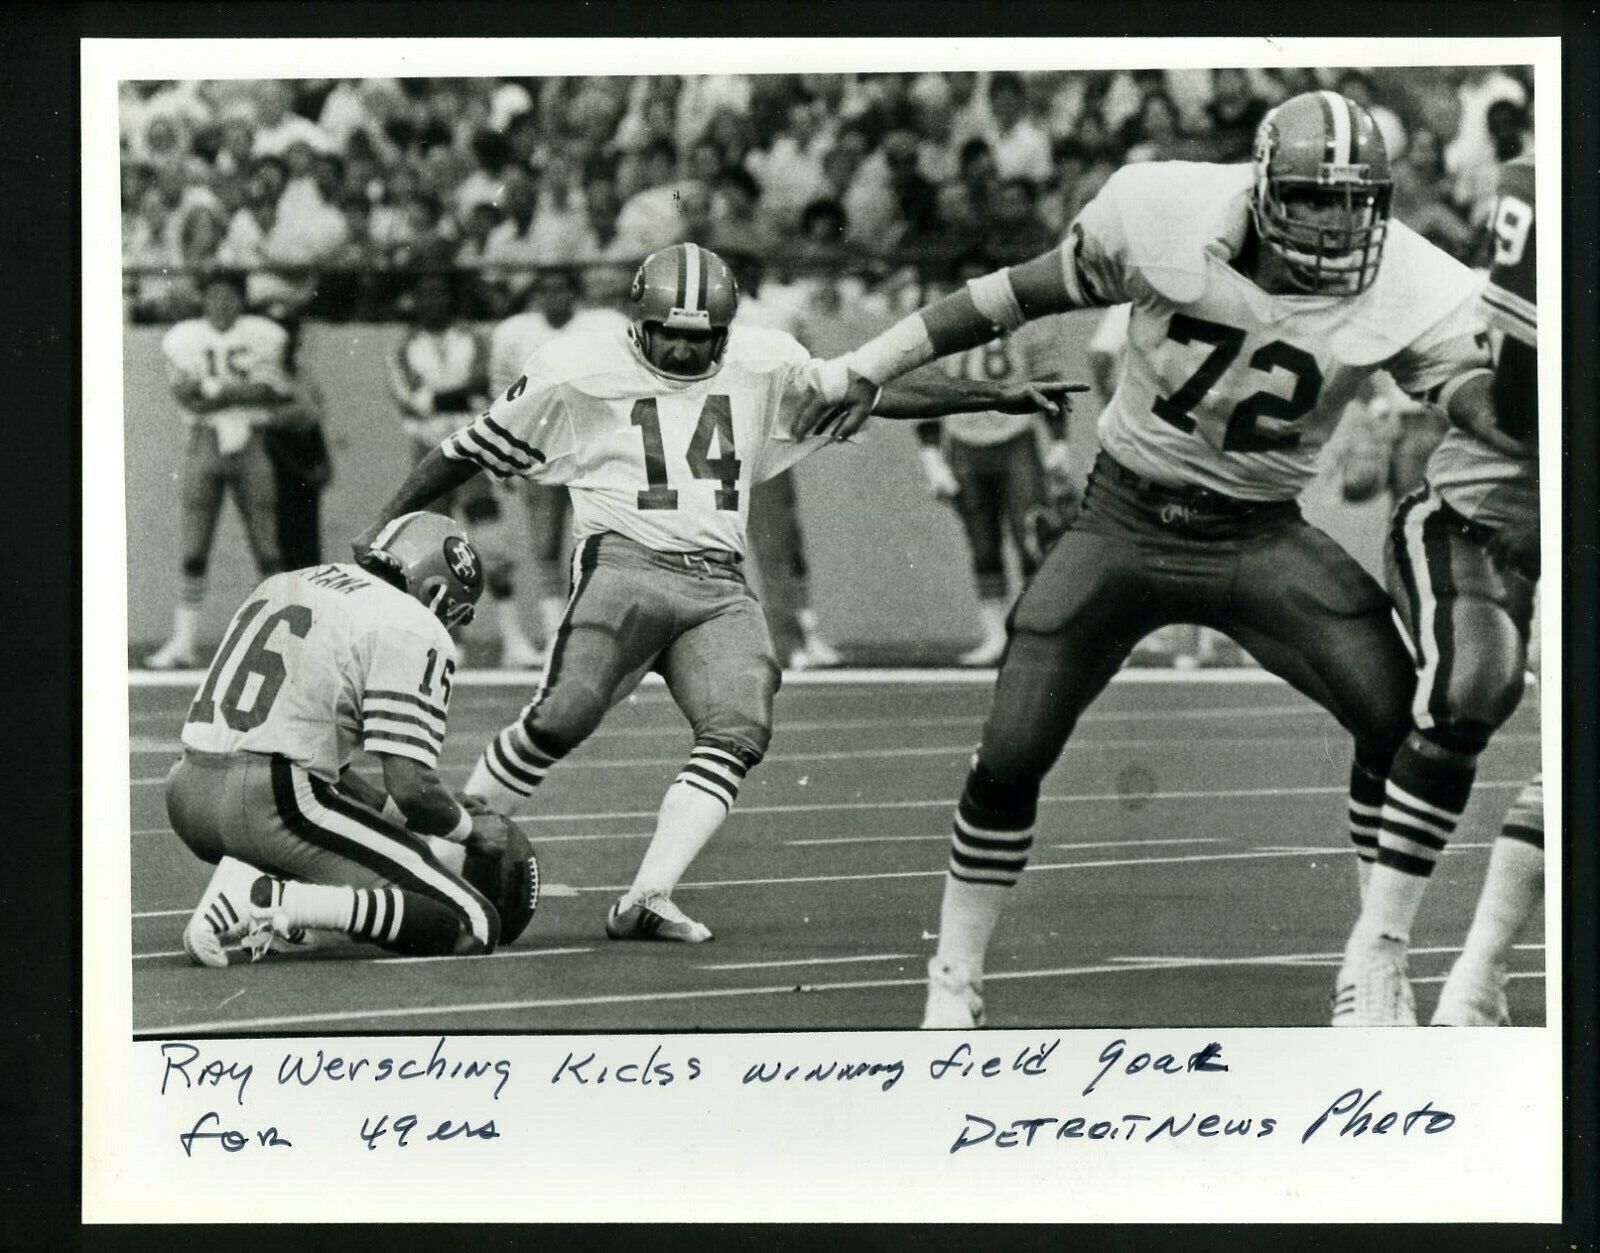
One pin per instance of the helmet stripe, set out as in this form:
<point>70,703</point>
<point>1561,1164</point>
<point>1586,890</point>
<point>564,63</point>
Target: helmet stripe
<point>705,273</point>
<point>1336,112</point>
<point>692,281</point>
<point>679,265</point>
<point>1355,128</point>
<point>388,533</point>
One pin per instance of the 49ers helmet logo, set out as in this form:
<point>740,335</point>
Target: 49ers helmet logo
<point>463,562</point>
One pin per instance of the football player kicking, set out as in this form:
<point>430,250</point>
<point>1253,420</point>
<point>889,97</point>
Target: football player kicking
<point>659,430</point>
<point>1463,562</point>
<point>1263,295</point>
<point>317,663</point>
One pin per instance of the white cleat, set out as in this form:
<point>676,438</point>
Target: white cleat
<point>235,920</point>
<point>955,998</point>
<point>1373,987</point>
<point>173,655</point>
<point>654,917</point>
<point>1473,998</point>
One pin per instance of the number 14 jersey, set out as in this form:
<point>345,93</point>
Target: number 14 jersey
<point>1225,386</point>
<point>321,662</point>
<point>667,462</point>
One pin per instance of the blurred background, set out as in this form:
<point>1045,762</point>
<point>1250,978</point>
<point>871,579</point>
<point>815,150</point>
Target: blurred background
<point>356,206</point>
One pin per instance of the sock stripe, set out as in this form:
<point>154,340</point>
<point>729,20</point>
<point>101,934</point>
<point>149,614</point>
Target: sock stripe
<point>397,902</point>
<point>358,919</point>
<point>1363,841</point>
<point>719,757</point>
<point>518,775</point>
<point>709,791</point>
<point>1523,833</point>
<point>380,913</point>
<point>1401,830</point>
<point>694,770</point>
<point>1405,863</point>
<point>1450,812</point>
<point>988,844</point>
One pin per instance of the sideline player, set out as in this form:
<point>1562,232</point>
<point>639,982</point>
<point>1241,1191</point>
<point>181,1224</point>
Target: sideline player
<point>996,470</point>
<point>552,310</point>
<point>1263,295</point>
<point>1463,569</point>
<point>660,432</point>
<point>439,377</point>
<point>316,664</point>
<point>228,371</point>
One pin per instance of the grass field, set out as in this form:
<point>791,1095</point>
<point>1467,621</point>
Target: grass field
<point>1190,867</point>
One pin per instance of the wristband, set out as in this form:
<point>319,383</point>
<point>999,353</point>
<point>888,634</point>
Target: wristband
<point>458,834</point>
<point>901,348</point>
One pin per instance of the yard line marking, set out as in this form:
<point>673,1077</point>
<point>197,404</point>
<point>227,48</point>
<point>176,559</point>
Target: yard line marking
<point>145,957</point>
<point>945,803</point>
<point>633,998</point>
<point>944,836</point>
<point>923,874</point>
<point>142,745</point>
<point>545,890</point>
<point>1138,675</point>
<point>810,961</point>
<point>498,953</point>
<point>1165,960</point>
<point>1330,849</point>
<point>941,750</point>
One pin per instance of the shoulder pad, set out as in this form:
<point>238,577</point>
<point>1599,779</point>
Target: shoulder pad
<point>762,348</point>
<point>1417,286</point>
<point>1173,213</point>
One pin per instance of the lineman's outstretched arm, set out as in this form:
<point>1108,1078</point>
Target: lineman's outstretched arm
<point>1001,301</point>
<point>931,394</point>
<point>432,477</point>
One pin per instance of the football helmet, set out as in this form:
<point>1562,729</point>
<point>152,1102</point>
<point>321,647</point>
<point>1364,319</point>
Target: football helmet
<point>430,556</point>
<point>1323,150</point>
<point>682,288</point>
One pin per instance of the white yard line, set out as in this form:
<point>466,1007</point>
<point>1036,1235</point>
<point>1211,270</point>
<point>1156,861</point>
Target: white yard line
<point>811,961</point>
<point>943,837</point>
<point>1241,675</point>
<point>947,803</point>
<point>1117,966</point>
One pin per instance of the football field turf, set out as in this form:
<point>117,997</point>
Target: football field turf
<point>1190,867</point>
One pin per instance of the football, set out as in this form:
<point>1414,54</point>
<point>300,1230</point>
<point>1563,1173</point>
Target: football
<point>509,881</point>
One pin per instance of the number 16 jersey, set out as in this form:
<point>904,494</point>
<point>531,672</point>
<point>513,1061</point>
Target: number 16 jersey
<point>1228,387</point>
<point>321,662</point>
<point>667,462</point>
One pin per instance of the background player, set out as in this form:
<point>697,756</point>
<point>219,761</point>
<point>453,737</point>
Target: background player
<point>992,469</point>
<point>552,310</point>
<point>659,432</point>
<point>1463,566</point>
<point>439,377</point>
<point>1263,295</point>
<point>316,664</point>
<point>228,373</point>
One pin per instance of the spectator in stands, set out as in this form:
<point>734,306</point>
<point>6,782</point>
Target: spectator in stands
<point>1020,148</point>
<point>650,218</point>
<point>978,174</point>
<point>706,161</point>
<point>512,246</point>
<point>1015,229</point>
<point>1232,114</point>
<point>790,171</point>
<point>1154,133</point>
<point>277,127</point>
<point>1421,190</point>
<point>1358,86</point>
<point>738,225</point>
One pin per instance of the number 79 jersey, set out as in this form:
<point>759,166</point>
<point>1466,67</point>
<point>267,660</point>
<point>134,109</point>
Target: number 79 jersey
<point>1226,386</point>
<point>667,462</point>
<point>321,662</point>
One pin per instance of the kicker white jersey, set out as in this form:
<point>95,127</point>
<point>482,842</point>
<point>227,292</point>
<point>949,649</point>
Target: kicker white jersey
<point>1223,385</point>
<point>521,335</point>
<point>666,462</point>
<point>321,662</point>
<point>252,350</point>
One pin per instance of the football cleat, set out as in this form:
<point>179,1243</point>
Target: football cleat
<point>173,655</point>
<point>1473,999</point>
<point>955,998</point>
<point>1373,987</point>
<point>654,917</point>
<point>235,920</point>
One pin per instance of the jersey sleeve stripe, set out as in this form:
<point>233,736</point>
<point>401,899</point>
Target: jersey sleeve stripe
<point>488,444</point>
<point>400,724</point>
<point>520,445</point>
<point>405,698</point>
<point>456,450</point>
<point>401,746</point>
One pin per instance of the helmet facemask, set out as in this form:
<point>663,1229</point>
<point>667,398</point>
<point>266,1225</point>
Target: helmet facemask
<point>644,337</point>
<point>1336,259</point>
<point>451,610</point>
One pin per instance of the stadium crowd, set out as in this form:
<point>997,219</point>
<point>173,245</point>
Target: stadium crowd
<point>333,190</point>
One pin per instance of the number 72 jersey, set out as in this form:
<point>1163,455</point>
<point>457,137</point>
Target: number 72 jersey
<point>321,662</point>
<point>667,462</point>
<point>1232,388</point>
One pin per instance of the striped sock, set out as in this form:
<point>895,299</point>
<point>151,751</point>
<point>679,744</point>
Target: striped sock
<point>989,845</point>
<point>715,771</point>
<point>510,767</point>
<point>1424,797</point>
<point>1366,806</point>
<point>192,589</point>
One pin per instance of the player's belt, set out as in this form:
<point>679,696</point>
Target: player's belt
<point>1199,499</point>
<point>691,558</point>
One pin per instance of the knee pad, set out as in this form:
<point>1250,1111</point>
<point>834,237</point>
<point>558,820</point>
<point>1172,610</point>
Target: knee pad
<point>995,804</point>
